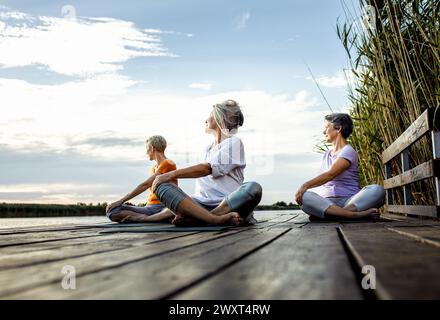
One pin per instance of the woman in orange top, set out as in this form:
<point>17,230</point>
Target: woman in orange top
<point>119,212</point>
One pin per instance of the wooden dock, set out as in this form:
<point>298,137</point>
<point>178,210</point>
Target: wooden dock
<point>285,256</point>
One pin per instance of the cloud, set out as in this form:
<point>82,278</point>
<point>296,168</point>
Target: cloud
<point>340,80</point>
<point>83,139</point>
<point>107,139</point>
<point>294,38</point>
<point>99,117</point>
<point>201,86</point>
<point>91,132</point>
<point>243,20</point>
<point>68,46</point>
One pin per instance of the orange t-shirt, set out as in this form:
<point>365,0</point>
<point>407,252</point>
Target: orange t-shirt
<point>166,166</point>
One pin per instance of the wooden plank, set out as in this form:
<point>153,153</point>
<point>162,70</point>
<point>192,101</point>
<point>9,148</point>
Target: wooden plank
<point>158,276</point>
<point>39,229</point>
<point>437,190</point>
<point>268,219</point>
<point>407,199</point>
<point>93,245</point>
<point>20,240</point>
<point>20,279</point>
<point>435,138</point>
<point>98,244</point>
<point>60,244</point>
<point>425,170</point>
<point>425,234</point>
<point>427,211</point>
<point>302,264</point>
<point>405,268</point>
<point>414,132</point>
<point>388,175</point>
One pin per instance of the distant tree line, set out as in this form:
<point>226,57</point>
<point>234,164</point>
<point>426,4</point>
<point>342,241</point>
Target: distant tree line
<point>18,210</point>
<point>280,205</point>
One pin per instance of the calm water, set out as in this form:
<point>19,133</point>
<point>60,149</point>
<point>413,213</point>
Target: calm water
<point>8,223</point>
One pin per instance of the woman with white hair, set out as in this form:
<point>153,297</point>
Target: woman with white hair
<point>220,197</point>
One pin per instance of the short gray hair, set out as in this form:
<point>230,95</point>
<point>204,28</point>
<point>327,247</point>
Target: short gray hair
<point>341,121</point>
<point>157,142</point>
<point>228,116</point>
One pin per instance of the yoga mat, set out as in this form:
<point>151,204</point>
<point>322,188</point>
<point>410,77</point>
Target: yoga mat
<point>130,225</point>
<point>150,228</point>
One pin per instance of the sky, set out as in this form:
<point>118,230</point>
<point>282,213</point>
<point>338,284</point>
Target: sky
<point>84,83</point>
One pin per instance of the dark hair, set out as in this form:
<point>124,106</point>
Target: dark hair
<point>341,121</point>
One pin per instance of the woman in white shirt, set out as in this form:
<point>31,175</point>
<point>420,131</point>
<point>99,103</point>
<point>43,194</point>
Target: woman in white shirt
<point>221,197</point>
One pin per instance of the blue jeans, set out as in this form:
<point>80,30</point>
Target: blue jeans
<point>148,210</point>
<point>372,196</point>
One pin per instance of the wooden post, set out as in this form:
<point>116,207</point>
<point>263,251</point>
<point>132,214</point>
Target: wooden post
<point>436,155</point>
<point>388,176</point>
<point>404,156</point>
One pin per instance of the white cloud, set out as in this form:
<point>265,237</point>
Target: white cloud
<point>61,115</point>
<point>201,85</point>
<point>78,47</point>
<point>56,193</point>
<point>294,38</point>
<point>340,80</point>
<point>47,188</point>
<point>243,20</point>
<point>100,117</point>
<point>91,119</point>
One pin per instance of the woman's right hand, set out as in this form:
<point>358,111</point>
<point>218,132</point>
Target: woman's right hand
<point>161,178</point>
<point>113,205</point>
<point>299,194</point>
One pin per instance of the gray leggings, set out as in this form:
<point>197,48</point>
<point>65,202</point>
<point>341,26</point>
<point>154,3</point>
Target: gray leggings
<point>372,196</point>
<point>243,200</point>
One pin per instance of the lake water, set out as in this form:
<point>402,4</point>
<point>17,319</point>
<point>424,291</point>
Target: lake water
<point>8,223</point>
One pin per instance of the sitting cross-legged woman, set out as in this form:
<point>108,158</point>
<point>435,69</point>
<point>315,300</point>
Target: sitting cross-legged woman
<point>339,194</point>
<point>221,197</point>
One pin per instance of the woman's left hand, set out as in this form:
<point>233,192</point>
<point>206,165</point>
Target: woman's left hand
<point>113,205</point>
<point>299,194</point>
<point>161,178</point>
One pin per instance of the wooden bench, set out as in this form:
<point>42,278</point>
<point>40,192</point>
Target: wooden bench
<point>427,123</point>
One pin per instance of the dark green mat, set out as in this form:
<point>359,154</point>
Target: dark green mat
<point>130,225</point>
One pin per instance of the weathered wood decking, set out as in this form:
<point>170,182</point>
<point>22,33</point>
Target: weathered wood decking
<point>283,257</point>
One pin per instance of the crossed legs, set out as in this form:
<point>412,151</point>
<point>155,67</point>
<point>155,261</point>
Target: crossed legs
<point>125,216</point>
<point>233,210</point>
<point>363,204</point>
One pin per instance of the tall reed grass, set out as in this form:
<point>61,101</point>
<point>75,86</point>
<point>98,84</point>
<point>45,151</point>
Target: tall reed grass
<point>393,51</point>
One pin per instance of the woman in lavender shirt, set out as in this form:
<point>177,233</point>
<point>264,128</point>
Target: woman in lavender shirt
<point>339,193</point>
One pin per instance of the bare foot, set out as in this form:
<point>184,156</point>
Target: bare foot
<point>185,221</point>
<point>231,218</point>
<point>370,213</point>
<point>351,207</point>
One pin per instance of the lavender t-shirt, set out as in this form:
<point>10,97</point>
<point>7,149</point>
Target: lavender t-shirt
<point>346,184</point>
